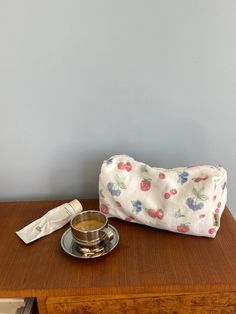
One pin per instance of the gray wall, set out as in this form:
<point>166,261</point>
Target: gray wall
<point>83,80</point>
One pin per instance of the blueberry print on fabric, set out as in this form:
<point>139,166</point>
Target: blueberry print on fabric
<point>183,177</point>
<point>116,187</point>
<point>185,200</point>
<point>137,206</point>
<point>109,161</point>
<point>197,201</point>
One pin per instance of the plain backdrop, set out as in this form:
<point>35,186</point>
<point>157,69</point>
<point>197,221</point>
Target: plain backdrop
<point>83,80</point>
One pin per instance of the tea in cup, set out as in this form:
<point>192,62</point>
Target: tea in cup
<point>90,228</point>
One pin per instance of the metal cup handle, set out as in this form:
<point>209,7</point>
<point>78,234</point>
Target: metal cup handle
<point>107,233</point>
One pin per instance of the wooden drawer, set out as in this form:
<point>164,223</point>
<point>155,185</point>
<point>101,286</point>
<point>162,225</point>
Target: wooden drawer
<point>143,304</point>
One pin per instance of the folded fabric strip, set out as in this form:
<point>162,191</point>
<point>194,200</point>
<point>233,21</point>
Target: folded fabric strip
<point>188,200</point>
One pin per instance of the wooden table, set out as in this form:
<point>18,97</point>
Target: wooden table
<point>150,271</point>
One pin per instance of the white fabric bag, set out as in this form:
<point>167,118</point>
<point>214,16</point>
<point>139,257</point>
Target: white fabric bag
<point>188,200</point>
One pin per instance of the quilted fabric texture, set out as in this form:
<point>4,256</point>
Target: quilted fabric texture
<point>188,200</point>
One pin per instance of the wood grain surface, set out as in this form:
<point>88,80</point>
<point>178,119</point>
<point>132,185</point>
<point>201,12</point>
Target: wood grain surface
<point>146,260</point>
<point>143,304</point>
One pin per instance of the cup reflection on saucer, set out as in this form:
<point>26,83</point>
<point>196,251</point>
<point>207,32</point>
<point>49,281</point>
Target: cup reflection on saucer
<point>86,251</point>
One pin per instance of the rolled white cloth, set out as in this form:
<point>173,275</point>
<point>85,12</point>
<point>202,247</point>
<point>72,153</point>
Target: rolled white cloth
<point>51,221</point>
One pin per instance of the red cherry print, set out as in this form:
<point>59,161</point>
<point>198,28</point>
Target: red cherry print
<point>219,204</point>
<point>166,196</point>
<point>159,213</point>
<point>217,211</point>
<point>121,165</point>
<point>155,213</point>
<point>129,218</point>
<point>104,209</point>
<point>214,198</point>
<point>128,166</point>
<point>212,230</point>
<point>162,175</point>
<point>124,166</point>
<point>151,213</point>
<point>173,191</point>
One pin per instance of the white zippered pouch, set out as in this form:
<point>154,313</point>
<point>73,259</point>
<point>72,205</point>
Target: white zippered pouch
<point>187,200</point>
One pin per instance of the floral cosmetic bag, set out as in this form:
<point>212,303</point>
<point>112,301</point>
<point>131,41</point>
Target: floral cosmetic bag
<point>187,200</point>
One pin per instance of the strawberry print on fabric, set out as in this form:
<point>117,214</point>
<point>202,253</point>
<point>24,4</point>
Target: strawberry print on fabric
<point>183,228</point>
<point>187,200</point>
<point>145,185</point>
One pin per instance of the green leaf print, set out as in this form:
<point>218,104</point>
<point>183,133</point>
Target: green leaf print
<point>120,182</point>
<point>199,195</point>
